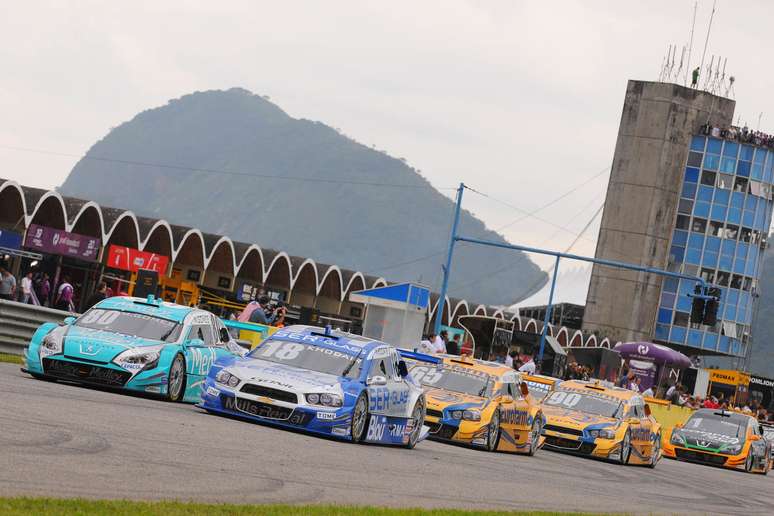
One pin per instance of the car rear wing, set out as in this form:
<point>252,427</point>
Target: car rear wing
<point>421,357</point>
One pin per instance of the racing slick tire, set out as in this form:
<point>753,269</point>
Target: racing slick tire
<point>655,455</point>
<point>626,448</point>
<point>360,418</point>
<point>418,416</point>
<point>748,462</point>
<point>493,432</point>
<point>176,379</point>
<point>535,431</point>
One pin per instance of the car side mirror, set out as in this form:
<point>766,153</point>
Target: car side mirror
<point>755,437</point>
<point>224,335</point>
<point>68,321</point>
<point>402,369</point>
<point>377,381</point>
<point>506,398</point>
<point>679,425</point>
<point>195,343</point>
<point>648,412</point>
<point>633,421</point>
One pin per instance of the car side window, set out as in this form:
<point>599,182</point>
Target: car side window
<point>632,411</point>
<point>382,367</point>
<point>203,332</point>
<point>395,368</point>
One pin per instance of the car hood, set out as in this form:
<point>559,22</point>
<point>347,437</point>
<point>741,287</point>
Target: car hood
<point>261,372</point>
<point>440,399</point>
<point>573,419</point>
<point>100,346</point>
<point>709,441</point>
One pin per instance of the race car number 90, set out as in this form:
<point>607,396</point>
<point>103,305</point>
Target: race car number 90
<point>564,399</point>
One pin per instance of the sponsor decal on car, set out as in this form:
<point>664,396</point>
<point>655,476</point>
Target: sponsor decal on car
<point>327,416</point>
<point>381,398</point>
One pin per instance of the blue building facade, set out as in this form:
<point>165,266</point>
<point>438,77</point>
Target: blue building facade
<point>720,233</point>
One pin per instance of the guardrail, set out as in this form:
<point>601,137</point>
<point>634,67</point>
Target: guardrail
<point>19,321</point>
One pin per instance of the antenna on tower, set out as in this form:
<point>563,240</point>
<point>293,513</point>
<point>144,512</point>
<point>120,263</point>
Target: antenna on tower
<point>709,74</point>
<point>671,63</point>
<point>706,41</point>
<point>680,68</point>
<point>664,65</point>
<point>690,45</point>
<point>758,127</point>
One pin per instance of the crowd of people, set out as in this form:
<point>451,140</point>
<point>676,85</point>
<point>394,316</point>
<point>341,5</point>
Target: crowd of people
<point>743,135</point>
<point>433,344</point>
<point>35,288</point>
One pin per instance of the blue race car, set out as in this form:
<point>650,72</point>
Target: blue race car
<point>142,345</point>
<point>323,382</point>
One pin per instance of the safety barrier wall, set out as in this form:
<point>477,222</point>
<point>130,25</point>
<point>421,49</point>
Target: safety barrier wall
<point>667,414</point>
<point>19,321</point>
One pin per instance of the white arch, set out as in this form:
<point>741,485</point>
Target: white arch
<point>251,248</point>
<point>577,333</point>
<point>337,270</point>
<point>456,310</point>
<point>294,275</point>
<point>50,193</point>
<point>379,282</point>
<point>77,218</point>
<point>222,240</point>
<point>162,223</point>
<point>357,274</point>
<point>286,257</point>
<point>189,234</point>
<point>13,184</point>
<point>592,339</point>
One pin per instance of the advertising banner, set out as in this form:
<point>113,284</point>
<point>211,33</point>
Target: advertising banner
<point>57,241</point>
<point>10,239</point>
<point>762,390</point>
<point>646,371</point>
<point>129,259</point>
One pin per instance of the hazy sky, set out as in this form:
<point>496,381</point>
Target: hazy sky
<point>518,99</point>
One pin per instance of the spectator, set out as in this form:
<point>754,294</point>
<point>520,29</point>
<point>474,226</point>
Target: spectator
<point>453,346</point>
<point>624,380</point>
<point>259,315</point>
<point>64,295</point>
<point>43,289</point>
<point>695,78</point>
<point>711,403</point>
<point>97,296</point>
<point>674,394</point>
<point>509,359</point>
<point>7,285</point>
<point>529,365</point>
<point>439,343</point>
<point>426,345</point>
<point>648,392</point>
<point>27,293</point>
<point>634,384</point>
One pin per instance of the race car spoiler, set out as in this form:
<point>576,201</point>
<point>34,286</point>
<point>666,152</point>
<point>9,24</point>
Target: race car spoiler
<point>413,355</point>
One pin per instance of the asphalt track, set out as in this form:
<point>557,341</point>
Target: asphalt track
<point>63,440</point>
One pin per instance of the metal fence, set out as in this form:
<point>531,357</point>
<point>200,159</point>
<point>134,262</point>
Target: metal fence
<point>18,322</point>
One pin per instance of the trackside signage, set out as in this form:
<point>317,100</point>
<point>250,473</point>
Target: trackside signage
<point>130,259</point>
<point>57,241</point>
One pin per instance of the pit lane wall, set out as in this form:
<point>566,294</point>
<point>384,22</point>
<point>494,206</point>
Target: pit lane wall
<point>19,321</point>
<point>667,414</point>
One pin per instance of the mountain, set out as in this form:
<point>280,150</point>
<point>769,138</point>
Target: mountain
<point>233,163</point>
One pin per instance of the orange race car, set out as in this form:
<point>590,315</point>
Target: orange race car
<point>721,438</point>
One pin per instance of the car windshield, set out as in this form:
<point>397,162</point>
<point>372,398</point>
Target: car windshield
<point>307,356</point>
<point>130,323</point>
<point>466,381</point>
<point>586,402</point>
<point>538,390</point>
<point>715,425</point>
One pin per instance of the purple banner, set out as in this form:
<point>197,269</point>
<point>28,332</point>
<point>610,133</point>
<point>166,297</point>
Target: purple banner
<point>57,241</point>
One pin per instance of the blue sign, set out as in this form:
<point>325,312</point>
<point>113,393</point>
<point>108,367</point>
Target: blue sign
<point>10,240</point>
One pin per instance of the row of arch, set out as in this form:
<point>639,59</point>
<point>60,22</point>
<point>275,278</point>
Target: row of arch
<point>307,282</point>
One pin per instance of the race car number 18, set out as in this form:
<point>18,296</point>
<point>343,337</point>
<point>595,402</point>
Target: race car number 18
<point>281,350</point>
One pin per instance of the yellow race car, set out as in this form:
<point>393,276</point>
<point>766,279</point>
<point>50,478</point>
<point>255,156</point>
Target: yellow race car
<point>721,438</point>
<point>599,420</point>
<point>481,404</point>
<point>540,385</point>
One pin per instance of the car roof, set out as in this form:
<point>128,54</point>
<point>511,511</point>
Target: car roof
<point>600,388</point>
<point>483,366</point>
<point>157,308</point>
<point>332,339</point>
<point>718,414</point>
<point>541,378</point>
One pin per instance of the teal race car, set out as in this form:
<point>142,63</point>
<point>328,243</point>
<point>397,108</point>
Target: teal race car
<point>141,345</point>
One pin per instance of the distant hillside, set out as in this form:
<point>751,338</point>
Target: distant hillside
<point>378,229</point>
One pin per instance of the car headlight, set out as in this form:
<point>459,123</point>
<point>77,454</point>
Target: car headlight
<point>602,433</point>
<point>324,399</point>
<point>51,343</point>
<point>677,438</point>
<point>467,415</point>
<point>732,449</point>
<point>226,378</point>
<point>139,359</point>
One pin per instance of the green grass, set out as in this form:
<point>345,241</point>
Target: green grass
<point>17,506</point>
<point>11,359</point>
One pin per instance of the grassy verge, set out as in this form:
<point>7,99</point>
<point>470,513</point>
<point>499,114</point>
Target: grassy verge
<point>11,359</point>
<point>49,506</point>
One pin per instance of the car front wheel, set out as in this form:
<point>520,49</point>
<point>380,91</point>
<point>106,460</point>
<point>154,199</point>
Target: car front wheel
<point>359,423</point>
<point>176,379</point>
<point>418,419</point>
